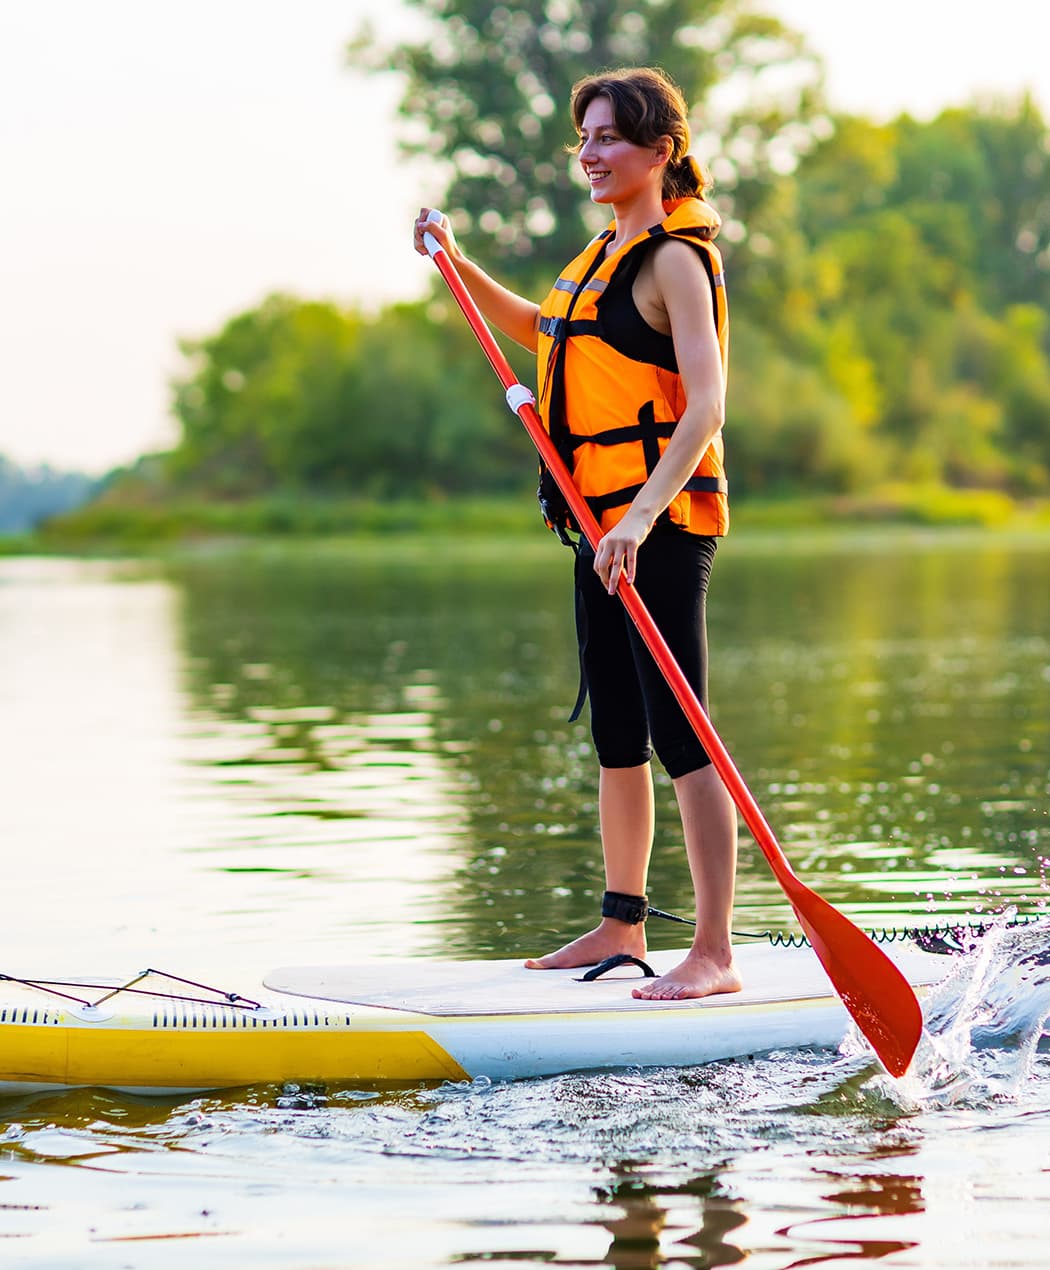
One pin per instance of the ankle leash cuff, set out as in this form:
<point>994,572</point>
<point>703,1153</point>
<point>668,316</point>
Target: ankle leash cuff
<point>625,908</point>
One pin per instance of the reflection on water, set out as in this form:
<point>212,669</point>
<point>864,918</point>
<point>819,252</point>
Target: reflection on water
<point>889,709</point>
<point>785,1160</point>
<point>326,755</point>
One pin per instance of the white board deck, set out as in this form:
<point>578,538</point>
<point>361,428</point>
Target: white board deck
<point>454,989</point>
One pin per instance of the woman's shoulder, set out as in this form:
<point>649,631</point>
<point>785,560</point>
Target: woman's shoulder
<point>672,259</point>
<point>679,248</point>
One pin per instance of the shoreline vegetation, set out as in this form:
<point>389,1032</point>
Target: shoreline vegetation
<point>891,350</point>
<point>118,528</point>
<point>890,297</point>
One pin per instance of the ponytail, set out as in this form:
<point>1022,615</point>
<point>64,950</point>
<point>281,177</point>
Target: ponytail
<point>684,178</point>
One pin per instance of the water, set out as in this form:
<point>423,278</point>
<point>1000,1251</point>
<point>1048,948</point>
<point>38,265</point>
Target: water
<point>319,755</point>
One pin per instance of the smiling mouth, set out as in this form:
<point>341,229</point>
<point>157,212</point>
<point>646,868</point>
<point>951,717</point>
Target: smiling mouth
<point>596,176</point>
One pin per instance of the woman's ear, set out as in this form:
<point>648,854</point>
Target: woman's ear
<point>663,150</point>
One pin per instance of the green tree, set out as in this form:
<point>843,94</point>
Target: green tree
<point>920,238</point>
<point>993,164</point>
<point>262,402</point>
<point>429,417</point>
<point>972,184</point>
<point>1006,359</point>
<point>487,90</point>
<point>304,396</point>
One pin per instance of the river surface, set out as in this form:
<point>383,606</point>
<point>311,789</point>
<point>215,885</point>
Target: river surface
<point>332,753</point>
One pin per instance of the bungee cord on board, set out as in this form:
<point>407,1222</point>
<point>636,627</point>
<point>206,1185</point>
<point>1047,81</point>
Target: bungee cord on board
<point>52,986</point>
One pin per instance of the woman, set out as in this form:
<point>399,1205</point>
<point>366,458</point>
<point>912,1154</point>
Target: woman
<point>631,346</point>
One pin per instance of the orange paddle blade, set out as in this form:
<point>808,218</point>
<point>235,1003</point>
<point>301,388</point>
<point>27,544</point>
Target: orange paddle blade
<point>871,985</point>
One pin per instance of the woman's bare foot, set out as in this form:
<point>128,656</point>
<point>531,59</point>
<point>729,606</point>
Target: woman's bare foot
<point>606,940</point>
<point>697,976</point>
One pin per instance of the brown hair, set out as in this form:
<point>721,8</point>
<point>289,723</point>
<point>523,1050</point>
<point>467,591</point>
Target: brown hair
<point>647,106</point>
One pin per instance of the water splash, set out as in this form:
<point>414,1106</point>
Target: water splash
<point>982,1023</point>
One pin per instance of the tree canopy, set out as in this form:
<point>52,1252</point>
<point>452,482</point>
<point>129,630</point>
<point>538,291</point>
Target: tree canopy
<point>889,282</point>
<point>486,95</point>
<point>307,396</point>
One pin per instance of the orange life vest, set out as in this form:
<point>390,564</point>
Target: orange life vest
<point>611,414</point>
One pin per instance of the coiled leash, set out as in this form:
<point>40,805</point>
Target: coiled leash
<point>946,939</point>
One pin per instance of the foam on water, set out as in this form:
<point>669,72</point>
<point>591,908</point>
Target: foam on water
<point>982,1024</point>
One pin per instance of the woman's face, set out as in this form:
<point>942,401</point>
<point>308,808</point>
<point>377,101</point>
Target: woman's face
<point>616,169</point>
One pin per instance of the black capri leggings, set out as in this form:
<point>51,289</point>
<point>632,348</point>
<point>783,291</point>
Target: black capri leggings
<point>633,711</point>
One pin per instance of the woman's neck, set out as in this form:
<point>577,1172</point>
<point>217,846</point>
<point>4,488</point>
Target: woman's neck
<point>634,218</point>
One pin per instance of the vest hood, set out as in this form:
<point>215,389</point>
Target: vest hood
<point>687,213</point>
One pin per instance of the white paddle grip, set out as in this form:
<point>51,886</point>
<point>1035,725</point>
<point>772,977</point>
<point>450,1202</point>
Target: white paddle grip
<point>429,241</point>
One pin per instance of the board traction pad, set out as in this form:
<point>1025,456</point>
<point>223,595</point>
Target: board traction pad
<point>450,989</point>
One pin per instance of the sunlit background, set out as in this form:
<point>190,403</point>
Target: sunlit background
<point>270,749</point>
<point>166,166</point>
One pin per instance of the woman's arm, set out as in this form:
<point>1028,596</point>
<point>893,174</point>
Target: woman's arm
<point>516,317</point>
<point>682,291</point>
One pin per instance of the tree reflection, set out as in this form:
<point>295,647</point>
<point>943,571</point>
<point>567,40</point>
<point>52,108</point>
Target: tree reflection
<point>889,708</point>
<point>636,1243</point>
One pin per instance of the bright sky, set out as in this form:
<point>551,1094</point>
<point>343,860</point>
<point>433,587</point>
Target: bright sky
<point>168,164</point>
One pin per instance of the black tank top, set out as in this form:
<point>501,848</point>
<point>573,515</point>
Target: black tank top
<point>624,328</point>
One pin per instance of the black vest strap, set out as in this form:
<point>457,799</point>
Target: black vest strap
<point>559,328</point>
<point>706,485</point>
<point>647,430</point>
<point>601,503</point>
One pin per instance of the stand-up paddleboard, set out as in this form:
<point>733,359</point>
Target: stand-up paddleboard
<point>408,1021</point>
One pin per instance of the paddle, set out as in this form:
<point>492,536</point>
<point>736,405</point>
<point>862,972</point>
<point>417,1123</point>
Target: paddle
<point>872,988</point>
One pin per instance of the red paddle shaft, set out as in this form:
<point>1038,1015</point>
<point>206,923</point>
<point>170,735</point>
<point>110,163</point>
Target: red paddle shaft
<point>871,986</point>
